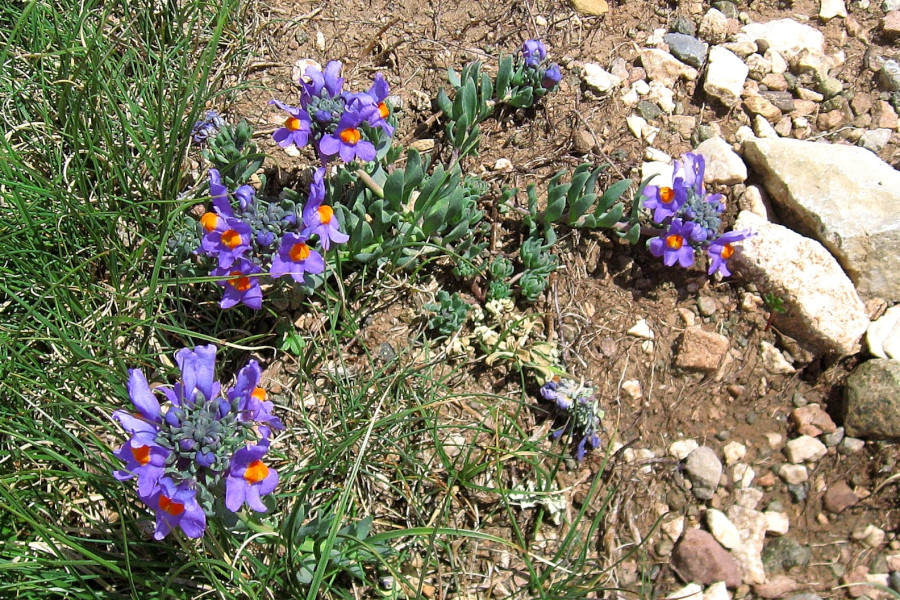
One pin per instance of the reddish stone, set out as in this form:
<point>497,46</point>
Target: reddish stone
<point>838,497</point>
<point>699,557</point>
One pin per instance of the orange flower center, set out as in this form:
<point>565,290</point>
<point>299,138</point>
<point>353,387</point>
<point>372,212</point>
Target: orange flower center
<point>325,214</point>
<point>209,221</point>
<point>727,251</point>
<point>674,241</point>
<point>141,455</point>
<point>383,110</point>
<point>666,194</point>
<point>259,394</point>
<point>298,252</point>
<point>170,506</point>
<point>241,284</point>
<point>292,123</point>
<point>231,238</point>
<point>350,136</point>
<point>256,472</point>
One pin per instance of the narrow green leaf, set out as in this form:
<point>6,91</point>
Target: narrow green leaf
<point>613,193</point>
<point>503,76</point>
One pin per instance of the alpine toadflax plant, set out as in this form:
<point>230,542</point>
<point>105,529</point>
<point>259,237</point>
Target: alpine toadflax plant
<point>578,406</point>
<point>200,449</point>
<point>250,239</point>
<point>350,125</point>
<point>690,218</point>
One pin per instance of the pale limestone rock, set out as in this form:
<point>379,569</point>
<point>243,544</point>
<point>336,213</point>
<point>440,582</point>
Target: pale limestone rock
<point>743,475</point>
<point>722,529</point>
<point>714,27</point>
<point>752,527</point>
<point>793,474</point>
<point>692,591</point>
<point>786,36</point>
<point>777,523</point>
<point>680,449</point>
<point>829,9</point>
<point>845,197</point>
<point>673,528</point>
<point>804,449</point>
<point>599,79</point>
<point>641,329</point>
<point>773,360</point>
<point>723,165</point>
<point>662,95</point>
<point>734,452</point>
<point>725,76</point>
<point>823,311</point>
<point>632,387</point>
<point>763,129</point>
<point>636,124</point>
<point>883,335</point>
<point>717,591</point>
<point>665,68</point>
<point>779,65</point>
<point>752,200</point>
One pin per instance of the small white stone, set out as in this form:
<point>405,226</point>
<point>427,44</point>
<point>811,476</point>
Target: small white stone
<point>632,387</point>
<point>830,9</point>
<point>642,330</point>
<point>645,455</point>
<point>320,41</point>
<point>723,165</point>
<point>636,124</point>
<point>734,452</point>
<point>777,523</point>
<point>717,591</point>
<point>779,65</point>
<point>883,335</point>
<point>641,87</point>
<point>662,95</point>
<point>647,347</point>
<point>725,532</point>
<point>743,134</point>
<point>763,128</point>
<point>503,165</point>
<point>630,98</point>
<point>649,133</point>
<point>599,79</point>
<point>773,360</point>
<point>804,449</point>
<point>651,153</point>
<point>793,474</point>
<point>656,37</point>
<point>298,71</point>
<point>687,316</point>
<point>673,528</point>
<point>540,21</point>
<point>743,475</point>
<point>725,76</point>
<point>680,449</point>
<point>292,151</point>
<point>692,591</point>
<point>748,498</point>
<point>869,535</point>
<point>774,439</point>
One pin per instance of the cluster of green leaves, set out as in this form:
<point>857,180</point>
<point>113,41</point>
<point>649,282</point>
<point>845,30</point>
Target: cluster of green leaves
<point>449,313</point>
<point>234,154</point>
<point>348,553</point>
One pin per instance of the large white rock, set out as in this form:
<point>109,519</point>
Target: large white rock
<point>786,36</point>
<point>751,525</point>
<point>725,76</point>
<point>723,165</point>
<point>883,336</point>
<point>843,196</point>
<point>823,311</point>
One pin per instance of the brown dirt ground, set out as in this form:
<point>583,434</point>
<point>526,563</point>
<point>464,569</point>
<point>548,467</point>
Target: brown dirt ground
<point>604,286</point>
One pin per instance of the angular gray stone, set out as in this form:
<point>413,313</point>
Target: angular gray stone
<point>822,309</point>
<point>687,49</point>
<point>843,196</point>
<point>872,396</point>
<point>704,469</point>
<point>725,76</point>
<point>889,76</point>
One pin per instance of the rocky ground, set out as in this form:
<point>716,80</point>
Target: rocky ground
<point>752,446</point>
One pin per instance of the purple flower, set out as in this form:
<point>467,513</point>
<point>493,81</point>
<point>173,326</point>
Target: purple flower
<point>319,219</point>
<point>198,374</point>
<point>372,104</point>
<point>347,140</point>
<point>666,201</point>
<point>693,167</point>
<point>297,127</point>
<point>296,258</point>
<point>143,457</point>
<point>219,194</point>
<point>329,81</point>
<point>241,286</point>
<point>226,238</point>
<point>550,391</point>
<point>251,400</point>
<point>552,77</point>
<point>674,244</point>
<point>176,506</point>
<point>249,478</point>
<point>721,249</point>
<point>533,52</point>
<point>591,439</point>
<point>207,127</point>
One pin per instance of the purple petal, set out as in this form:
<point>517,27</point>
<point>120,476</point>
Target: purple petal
<point>142,396</point>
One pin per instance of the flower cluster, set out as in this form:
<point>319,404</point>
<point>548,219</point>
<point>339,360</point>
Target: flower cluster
<point>184,453</point>
<point>249,239</point>
<point>207,127</point>
<point>533,53</point>
<point>691,219</point>
<point>581,409</point>
<point>335,122</point>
